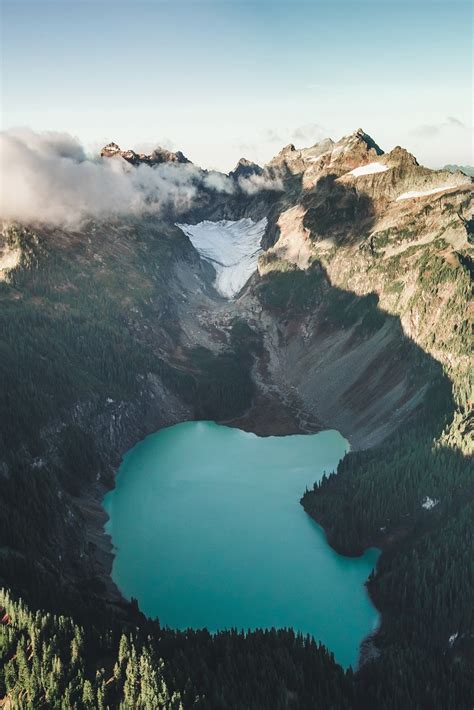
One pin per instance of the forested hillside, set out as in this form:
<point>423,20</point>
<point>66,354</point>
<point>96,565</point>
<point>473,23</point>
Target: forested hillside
<point>48,661</point>
<point>359,319</point>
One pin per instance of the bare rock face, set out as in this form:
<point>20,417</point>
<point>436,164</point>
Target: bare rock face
<point>353,150</point>
<point>157,157</point>
<point>293,161</point>
<point>350,194</point>
<point>325,158</point>
<point>400,156</point>
<point>244,169</point>
<point>109,150</point>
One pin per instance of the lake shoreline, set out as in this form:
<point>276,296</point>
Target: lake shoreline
<point>95,517</point>
<point>298,545</point>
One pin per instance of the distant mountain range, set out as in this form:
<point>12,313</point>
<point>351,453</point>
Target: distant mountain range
<point>466,169</point>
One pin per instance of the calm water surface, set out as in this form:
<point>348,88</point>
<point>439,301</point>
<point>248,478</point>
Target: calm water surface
<point>209,532</point>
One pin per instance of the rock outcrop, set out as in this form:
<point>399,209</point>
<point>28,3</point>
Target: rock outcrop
<point>244,169</point>
<point>156,157</point>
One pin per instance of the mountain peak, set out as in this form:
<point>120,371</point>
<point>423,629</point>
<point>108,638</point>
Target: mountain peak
<point>156,157</point>
<point>245,162</point>
<point>109,150</point>
<point>245,168</point>
<point>290,148</point>
<point>360,136</point>
<point>402,156</point>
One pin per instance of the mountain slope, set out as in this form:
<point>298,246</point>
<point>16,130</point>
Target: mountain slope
<point>358,318</point>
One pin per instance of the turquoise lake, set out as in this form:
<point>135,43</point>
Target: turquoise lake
<point>209,532</point>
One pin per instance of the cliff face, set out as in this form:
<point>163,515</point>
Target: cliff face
<point>392,228</point>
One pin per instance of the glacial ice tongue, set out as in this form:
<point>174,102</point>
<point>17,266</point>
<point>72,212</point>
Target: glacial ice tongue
<point>232,247</point>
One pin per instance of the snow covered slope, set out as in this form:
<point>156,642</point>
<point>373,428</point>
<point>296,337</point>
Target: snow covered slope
<point>423,193</point>
<point>369,169</point>
<point>231,247</point>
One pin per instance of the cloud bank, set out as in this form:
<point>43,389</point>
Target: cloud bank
<point>431,130</point>
<point>48,178</point>
<point>257,183</point>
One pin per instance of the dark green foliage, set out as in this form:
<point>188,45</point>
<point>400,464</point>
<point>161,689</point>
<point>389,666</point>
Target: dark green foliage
<point>72,341</point>
<point>224,387</point>
<point>425,577</point>
<point>62,341</point>
<point>48,661</point>
<point>292,290</point>
<point>343,309</point>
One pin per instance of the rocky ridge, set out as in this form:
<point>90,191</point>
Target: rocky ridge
<point>156,157</point>
<point>244,169</point>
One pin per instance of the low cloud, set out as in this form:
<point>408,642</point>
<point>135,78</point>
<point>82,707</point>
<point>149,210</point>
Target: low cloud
<point>48,178</point>
<point>431,130</point>
<point>218,182</point>
<point>304,136</point>
<point>257,183</point>
<point>271,136</point>
<point>148,147</point>
<point>309,134</point>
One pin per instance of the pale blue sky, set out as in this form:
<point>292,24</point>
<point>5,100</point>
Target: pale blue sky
<point>220,79</point>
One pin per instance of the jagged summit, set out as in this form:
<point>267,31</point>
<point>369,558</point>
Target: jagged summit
<point>110,149</point>
<point>355,149</point>
<point>355,160</point>
<point>401,156</point>
<point>351,151</point>
<point>284,153</point>
<point>245,168</point>
<point>156,157</point>
<point>359,135</point>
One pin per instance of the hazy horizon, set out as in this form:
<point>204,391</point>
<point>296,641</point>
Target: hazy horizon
<point>221,80</point>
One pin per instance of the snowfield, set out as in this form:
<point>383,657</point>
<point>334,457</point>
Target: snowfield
<point>409,195</point>
<point>369,169</point>
<point>231,247</point>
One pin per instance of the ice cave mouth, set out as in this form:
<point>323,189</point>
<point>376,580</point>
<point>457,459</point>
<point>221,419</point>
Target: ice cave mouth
<point>232,247</point>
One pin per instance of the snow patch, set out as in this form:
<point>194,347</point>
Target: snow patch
<point>232,247</point>
<point>369,169</point>
<point>428,503</point>
<point>453,638</point>
<point>422,193</point>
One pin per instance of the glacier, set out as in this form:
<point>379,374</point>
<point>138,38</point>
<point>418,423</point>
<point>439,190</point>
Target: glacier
<point>232,247</point>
